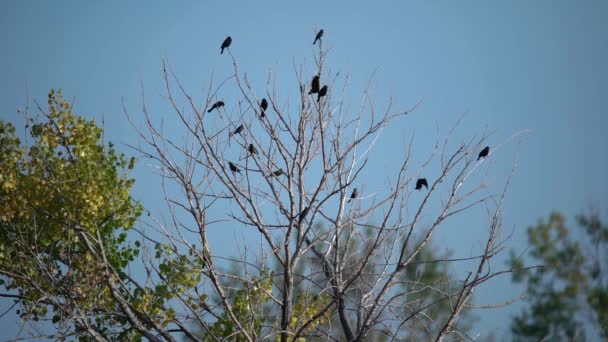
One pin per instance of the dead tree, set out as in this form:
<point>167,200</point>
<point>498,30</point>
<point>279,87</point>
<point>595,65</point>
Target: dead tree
<point>322,151</point>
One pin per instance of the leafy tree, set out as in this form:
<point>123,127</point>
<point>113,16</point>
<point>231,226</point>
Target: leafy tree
<point>569,295</point>
<point>58,195</point>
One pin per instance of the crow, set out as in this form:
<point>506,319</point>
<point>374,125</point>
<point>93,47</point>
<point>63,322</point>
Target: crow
<point>233,168</point>
<point>322,93</point>
<point>319,35</point>
<point>278,173</point>
<point>353,195</point>
<point>314,85</point>
<point>252,149</point>
<point>226,44</point>
<point>421,182</point>
<point>303,214</point>
<point>238,130</point>
<point>263,106</point>
<point>216,105</point>
<point>484,153</point>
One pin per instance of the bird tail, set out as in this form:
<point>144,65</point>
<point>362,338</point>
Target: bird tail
<point>478,158</point>
<point>209,111</point>
<point>222,52</point>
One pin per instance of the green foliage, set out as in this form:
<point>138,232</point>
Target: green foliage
<point>307,307</point>
<point>178,274</point>
<point>568,295</point>
<point>247,305</point>
<point>56,191</point>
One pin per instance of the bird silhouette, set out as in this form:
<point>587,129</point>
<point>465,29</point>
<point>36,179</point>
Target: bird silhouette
<point>420,183</point>
<point>252,149</point>
<point>216,105</point>
<point>484,153</point>
<point>238,130</point>
<point>233,168</point>
<point>322,93</point>
<point>226,44</point>
<point>263,106</point>
<point>353,195</point>
<point>319,35</point>
<point>303,214</point>
<point>278,173</point>
<point>314,85</point>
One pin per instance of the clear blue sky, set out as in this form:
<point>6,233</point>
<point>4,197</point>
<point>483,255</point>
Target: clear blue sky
<point>512,65</point>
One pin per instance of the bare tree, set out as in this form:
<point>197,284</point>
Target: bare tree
<point>308,160</point>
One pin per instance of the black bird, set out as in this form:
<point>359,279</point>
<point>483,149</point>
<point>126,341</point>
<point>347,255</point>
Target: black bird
<point>216,105</point>
<point>319,35</point>
<point>322,93</point>
<point>353,195</point>
<point>233,168</point>
<point>303,214</point>
<point>252,149</point>
<point>226,44</point>
<point>421,182</point>
<point>314,85</point>
<point>238,130</point>
<point>263,106</point>
<point>278,173</point>
<point>484,153</point>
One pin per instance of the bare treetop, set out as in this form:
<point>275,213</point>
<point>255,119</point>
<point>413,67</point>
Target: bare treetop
<point>320,152</point>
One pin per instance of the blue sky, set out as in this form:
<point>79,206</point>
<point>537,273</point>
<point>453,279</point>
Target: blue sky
<point>509,65</point>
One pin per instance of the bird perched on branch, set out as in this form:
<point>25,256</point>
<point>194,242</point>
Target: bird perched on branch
<point>420,183</point>
<point>252,149</point>
<point>263,107</point>
<point>278,173</point>
<point>303,214</point>
<point>216,105</point>
<point>319,35</point>
<point>314,85</point>
<point>322,93</point>
<point>233,168</point>
<point>484,153</point>
<point>238,130</point>
<point>226,44</point>
<point>353,195</point>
